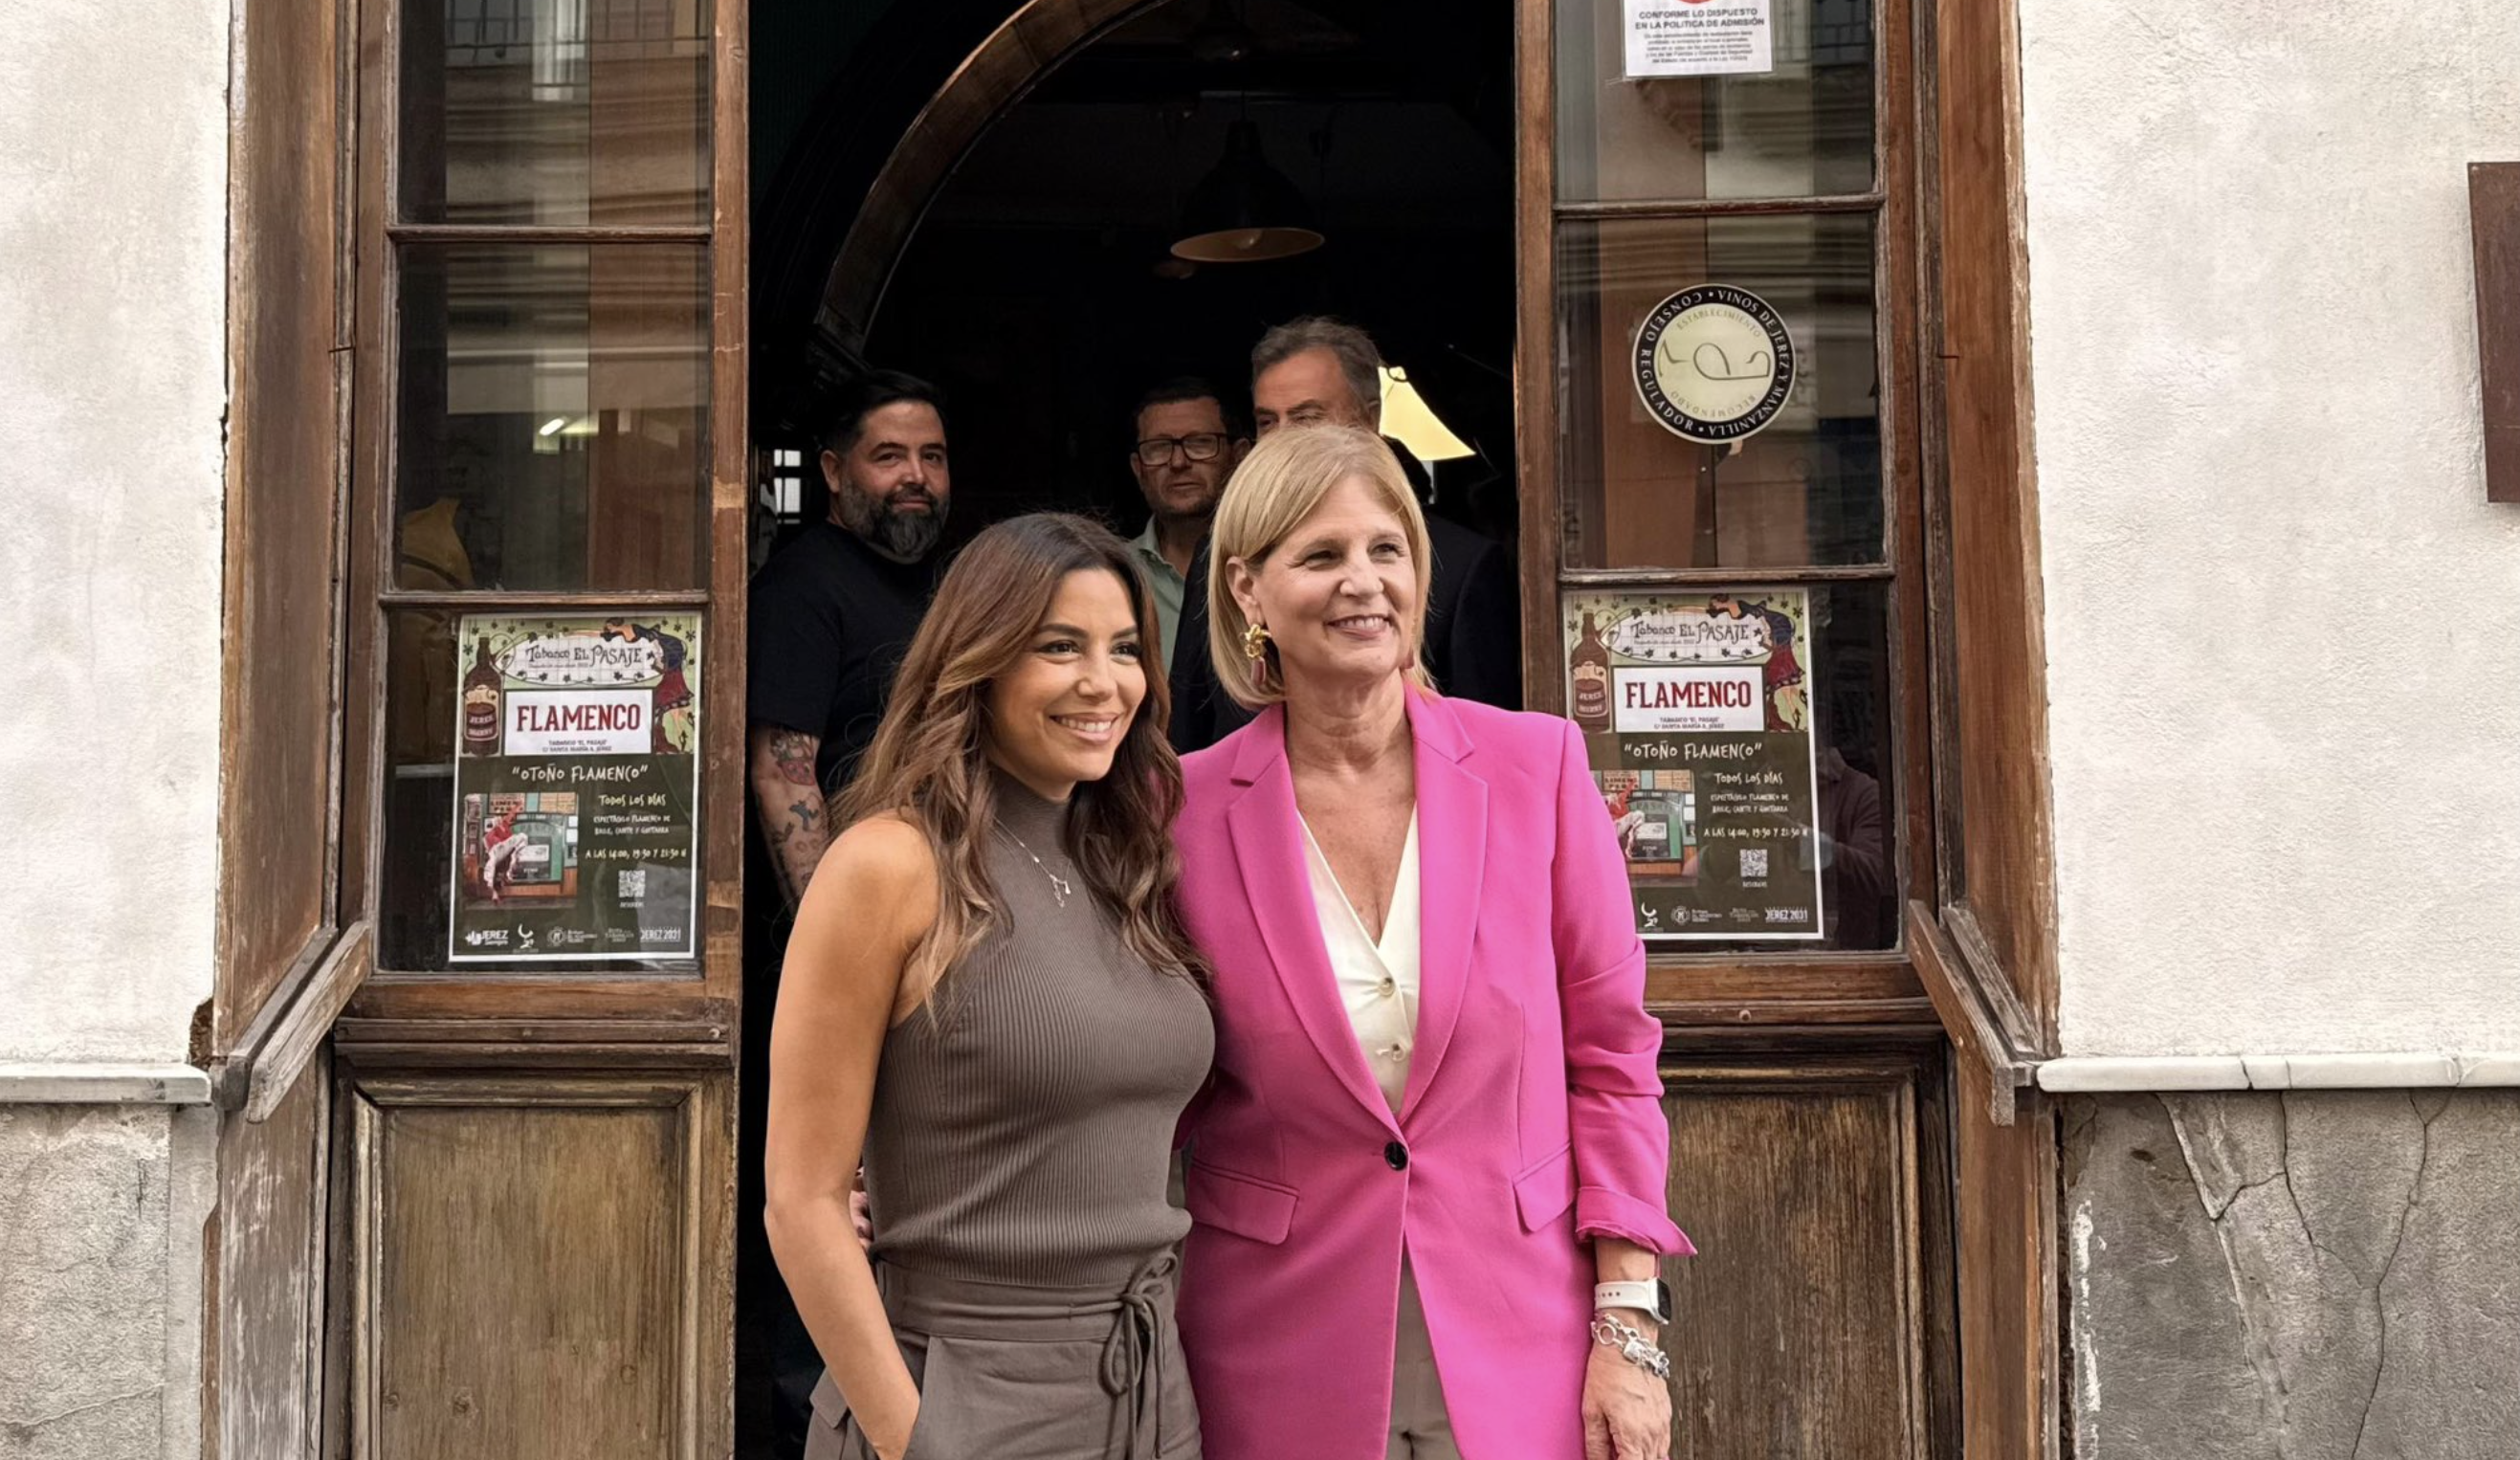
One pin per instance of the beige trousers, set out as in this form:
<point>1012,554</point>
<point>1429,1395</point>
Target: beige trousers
<point>1421,1427</point>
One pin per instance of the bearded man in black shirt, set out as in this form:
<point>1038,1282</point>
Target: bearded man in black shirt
<point>832,613</point>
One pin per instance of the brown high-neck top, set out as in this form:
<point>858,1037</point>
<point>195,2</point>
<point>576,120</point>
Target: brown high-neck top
<point>1022,1123</point>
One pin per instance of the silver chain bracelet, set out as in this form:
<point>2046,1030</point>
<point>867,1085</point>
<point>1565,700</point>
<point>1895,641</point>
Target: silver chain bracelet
<point>1610,1333</point>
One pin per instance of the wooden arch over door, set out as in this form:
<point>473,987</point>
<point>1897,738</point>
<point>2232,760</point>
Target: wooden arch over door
<point>1005,66</point>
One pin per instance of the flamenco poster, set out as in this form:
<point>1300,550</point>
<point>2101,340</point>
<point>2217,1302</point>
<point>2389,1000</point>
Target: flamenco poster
<point>1696,715</point>
<point>576,789</point>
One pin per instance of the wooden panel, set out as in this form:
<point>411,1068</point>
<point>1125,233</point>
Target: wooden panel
<point>2008,1274</point>
<point>1994,663</point>
<point>537,1259</point>
<point>283,474</point>
<point>1802,1327</point>
<point>266,1285</point>
<point>1755,990</point>
<point>534,997</point>
<point>2494,205</point>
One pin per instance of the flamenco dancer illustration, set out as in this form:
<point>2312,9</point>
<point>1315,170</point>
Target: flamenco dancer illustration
<point>673,694</point>
<point>1785,672</point>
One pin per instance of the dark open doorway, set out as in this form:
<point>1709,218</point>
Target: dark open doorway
<point>1035,285</point>
<point>1039,290</point>
<point>1027,283</point>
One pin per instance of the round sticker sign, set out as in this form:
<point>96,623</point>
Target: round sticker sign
<point>1714,363</point>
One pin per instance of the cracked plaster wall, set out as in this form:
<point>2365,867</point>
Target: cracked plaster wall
<point>2282,620</point>
<point>101,1219</point>
<point>2294,1276</point>
<point>113,227</point>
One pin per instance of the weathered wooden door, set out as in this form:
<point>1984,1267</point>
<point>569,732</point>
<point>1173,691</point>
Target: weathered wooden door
<point>532,1156</point>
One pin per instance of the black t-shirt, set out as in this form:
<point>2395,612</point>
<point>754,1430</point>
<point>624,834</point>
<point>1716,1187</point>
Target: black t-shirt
<point>830,621</point>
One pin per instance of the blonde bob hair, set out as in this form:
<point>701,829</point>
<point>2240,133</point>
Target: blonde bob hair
<point>1278,485</point>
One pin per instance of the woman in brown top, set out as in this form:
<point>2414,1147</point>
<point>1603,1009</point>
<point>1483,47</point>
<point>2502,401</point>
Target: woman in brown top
<point>989,997</point>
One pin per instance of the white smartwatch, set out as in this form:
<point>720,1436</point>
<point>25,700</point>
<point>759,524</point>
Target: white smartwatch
<point>1651,1298</point>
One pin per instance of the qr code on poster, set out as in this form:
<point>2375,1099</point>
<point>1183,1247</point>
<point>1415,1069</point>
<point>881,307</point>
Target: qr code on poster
<point>634,884</point>
<point>1754,862</point>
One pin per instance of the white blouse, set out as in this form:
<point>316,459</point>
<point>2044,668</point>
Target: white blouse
<point>1378,980</point>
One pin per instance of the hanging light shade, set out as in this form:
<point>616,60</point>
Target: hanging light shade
<point>1244,211</point>
<point>1408,419</point>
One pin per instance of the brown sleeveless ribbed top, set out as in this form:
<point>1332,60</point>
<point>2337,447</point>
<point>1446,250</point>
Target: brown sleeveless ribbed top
<point>1023,1125</point>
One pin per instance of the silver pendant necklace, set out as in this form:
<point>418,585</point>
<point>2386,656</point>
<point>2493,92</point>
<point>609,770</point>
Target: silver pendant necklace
<point>1059,886</point>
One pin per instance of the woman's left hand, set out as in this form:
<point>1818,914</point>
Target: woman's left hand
<point>1627,1411</point>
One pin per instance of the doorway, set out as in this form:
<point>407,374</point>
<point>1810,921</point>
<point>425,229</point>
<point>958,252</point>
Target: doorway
<point>1036,284</point>
<point>1040,291</point>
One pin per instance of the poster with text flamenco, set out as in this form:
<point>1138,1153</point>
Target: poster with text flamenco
<point>576,789</point>
<point>1695,710</point>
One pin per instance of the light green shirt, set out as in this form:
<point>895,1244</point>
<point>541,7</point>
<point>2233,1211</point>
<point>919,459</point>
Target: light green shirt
<point>1167,584</point>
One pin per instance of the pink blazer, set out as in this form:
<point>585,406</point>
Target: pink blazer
<point>1531,1119</point>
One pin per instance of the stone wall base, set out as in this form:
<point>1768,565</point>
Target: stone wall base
<point>101,1219</point>
<point>2293,1275</point>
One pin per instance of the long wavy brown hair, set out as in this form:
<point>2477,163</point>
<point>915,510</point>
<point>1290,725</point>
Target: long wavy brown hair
<point>929,762</point>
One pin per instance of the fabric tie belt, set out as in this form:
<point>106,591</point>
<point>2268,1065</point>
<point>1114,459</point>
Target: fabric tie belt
<point>1135,1325</point>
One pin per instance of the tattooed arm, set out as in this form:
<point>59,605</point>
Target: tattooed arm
<point>780,763</point>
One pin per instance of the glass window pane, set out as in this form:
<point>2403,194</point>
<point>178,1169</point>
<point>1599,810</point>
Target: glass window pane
<point>1800,127</point>
<point>555,112</point>
<point>579,838</point>
<point>553,426</point>
<point>1734,809</point>
<point>1806,488</point>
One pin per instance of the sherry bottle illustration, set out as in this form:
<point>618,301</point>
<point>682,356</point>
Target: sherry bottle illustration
<point>481,702</point>
<point>1590,672</point>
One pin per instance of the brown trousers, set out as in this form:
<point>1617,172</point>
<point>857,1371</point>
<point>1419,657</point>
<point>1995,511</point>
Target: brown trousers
<point>1421,1429</point>
<point>1018,1373</point>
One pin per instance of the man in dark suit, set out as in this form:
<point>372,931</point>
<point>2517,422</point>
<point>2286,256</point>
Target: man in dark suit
<point>1320,371</point>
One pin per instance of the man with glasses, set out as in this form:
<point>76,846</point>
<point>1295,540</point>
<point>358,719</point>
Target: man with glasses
<point>1185,446</point>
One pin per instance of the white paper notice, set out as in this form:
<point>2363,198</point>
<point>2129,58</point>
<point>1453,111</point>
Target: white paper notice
<point>1692,701</point>
<point>1698,37</point>
<point>578,722</point>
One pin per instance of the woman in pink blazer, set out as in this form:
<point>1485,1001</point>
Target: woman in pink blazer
<point>1416,1159</point>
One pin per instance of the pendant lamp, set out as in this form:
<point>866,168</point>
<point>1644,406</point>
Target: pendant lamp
<point>1408,419</point>
<point>1244,211</point>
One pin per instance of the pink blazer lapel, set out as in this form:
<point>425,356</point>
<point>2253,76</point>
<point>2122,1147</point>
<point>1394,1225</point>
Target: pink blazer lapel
<point>1269,854</point>
<point>1451,854</point>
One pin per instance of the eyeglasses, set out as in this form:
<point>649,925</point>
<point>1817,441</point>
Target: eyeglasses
<point>1207,445</point>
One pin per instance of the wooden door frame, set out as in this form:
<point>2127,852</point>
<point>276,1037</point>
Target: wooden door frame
<point>287,958</point>
<point>1986,939</point>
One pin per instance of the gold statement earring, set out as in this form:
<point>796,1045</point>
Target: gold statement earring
<point>1255,642</point>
